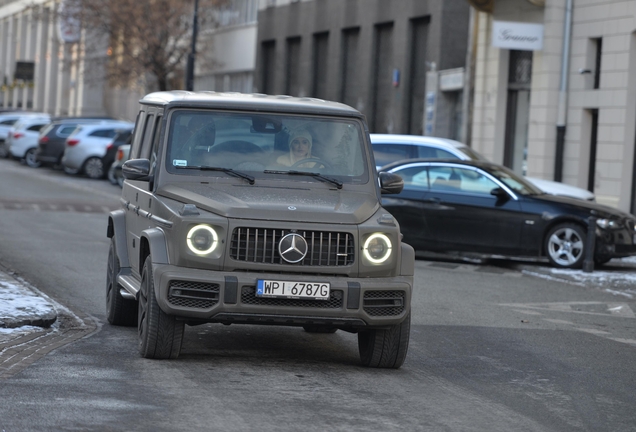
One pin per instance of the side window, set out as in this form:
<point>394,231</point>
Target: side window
<point>65,131</point>
<point>415,178</point>
<point>36,127</point>
<point>443,179</point>
<point>136,138</point>
<point>7,122</point>
<point>146,138</point>
<point>434,153</point>
<point>475,182</point>
<point>155,144</point>
<point>97,133</point>
<point>386,153</point>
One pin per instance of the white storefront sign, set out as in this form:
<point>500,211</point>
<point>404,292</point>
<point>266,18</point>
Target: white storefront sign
<point>451,79</point>
<point>517,36</point>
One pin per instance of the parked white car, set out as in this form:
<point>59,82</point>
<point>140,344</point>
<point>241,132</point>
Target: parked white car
<point>389,148</point>
<point>7,121</point>
<point>22,139</point>
<point>86,147</point>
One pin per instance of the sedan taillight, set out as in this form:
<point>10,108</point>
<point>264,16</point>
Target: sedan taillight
<point>72,142</point>
<point>17,135</point>
<point>44,140</point>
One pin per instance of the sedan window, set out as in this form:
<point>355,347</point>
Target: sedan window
<point>415,177</point>
<point>454,179</point>
<point>7,122</point>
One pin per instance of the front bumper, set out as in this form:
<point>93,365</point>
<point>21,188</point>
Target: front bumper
<point>616,243</point>
<point>229,297</point>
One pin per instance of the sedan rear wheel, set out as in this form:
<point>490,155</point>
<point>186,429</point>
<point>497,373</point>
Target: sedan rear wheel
<point>4,151</point>
<point>565,245</point>
<point>30,158</point>
<point>94,168</point>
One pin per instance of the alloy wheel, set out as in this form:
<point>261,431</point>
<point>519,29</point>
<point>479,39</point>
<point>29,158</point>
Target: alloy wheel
<point>565,246</point>
<point>94,168</point>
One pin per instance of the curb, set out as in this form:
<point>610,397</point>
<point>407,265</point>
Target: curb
<point>22,306</point>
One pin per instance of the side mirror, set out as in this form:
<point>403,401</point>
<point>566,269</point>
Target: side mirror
<point>390,183</point>
<point>499,193</point>
<point>136,169</point>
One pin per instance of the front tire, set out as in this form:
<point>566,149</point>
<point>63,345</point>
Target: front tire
<point>385,348</point>
<point>565,245</point>
<point>119,311</point>
<point>160,334</point>
<point>94,168</point>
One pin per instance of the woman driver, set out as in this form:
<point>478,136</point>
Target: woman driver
<point>300,143</point>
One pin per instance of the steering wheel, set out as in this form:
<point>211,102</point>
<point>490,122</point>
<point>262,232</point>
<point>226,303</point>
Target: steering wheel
<point>318,163</point>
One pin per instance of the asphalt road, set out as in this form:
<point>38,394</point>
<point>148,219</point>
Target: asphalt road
<point>492,348</point>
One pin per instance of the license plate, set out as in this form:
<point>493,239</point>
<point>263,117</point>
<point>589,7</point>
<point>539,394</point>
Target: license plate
<point>294,290</point>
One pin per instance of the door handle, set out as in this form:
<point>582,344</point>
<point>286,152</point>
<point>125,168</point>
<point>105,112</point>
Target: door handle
<point>433,200</point>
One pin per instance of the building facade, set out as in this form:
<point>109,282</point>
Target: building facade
<point>41,66</point>
<point>228,52</point>
<point>374,55</point>
<point>564,110</point>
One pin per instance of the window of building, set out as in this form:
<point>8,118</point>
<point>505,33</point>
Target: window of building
<point>598,49</point>
<point>320,64</point>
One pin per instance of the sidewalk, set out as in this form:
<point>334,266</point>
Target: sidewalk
<point>22,309</point>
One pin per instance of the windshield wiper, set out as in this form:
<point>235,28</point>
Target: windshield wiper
<point>230,171</point>
<point>319,176</point>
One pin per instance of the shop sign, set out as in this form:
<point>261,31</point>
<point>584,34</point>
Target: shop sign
<point>517,36</point>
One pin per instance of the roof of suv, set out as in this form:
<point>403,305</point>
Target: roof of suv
<point>249,101</point>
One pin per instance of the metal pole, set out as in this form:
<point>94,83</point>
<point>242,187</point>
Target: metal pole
<point>563,93</point>
<point>590,242</point>
<point>193,49</point>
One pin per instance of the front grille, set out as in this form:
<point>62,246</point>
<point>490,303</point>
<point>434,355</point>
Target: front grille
<point>248,296</point>
<point>383,303</point>
<point>188,294</point>
<point>261,245</point>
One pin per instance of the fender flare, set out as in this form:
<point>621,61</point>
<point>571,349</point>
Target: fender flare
<point>117,230</point>
<point>407,262</point>
<point>157,246</point>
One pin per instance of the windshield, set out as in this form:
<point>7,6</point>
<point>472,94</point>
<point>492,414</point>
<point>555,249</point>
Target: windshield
<point>266,146</point>
<point>515,182</point>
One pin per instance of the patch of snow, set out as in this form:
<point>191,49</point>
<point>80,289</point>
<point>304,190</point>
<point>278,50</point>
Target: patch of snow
<point>596,276</point>
<point>619,293</point>
<point>17,302</point>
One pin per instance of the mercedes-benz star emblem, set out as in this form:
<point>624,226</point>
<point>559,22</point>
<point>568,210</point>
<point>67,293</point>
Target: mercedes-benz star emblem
<point>293,248</point>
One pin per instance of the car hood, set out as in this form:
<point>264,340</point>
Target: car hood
<point>276,203</point>
<point>561,189</point>
<point>600,210</point>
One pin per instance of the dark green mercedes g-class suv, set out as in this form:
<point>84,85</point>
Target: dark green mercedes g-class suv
<point>256,209</point>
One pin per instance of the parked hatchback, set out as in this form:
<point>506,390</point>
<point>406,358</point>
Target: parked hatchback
<point>7,121</point>
<point>86,147</point>
<point>389,148</point>
<point>22,139</point>
<point>52,140</point>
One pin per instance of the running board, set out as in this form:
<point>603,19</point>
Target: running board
<point>130,286</point>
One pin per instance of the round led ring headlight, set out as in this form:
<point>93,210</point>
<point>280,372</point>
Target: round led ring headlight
<point>377,248</point>
<point>202,239</point>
